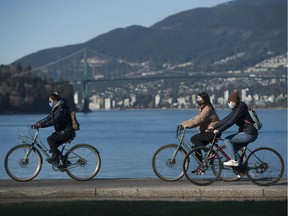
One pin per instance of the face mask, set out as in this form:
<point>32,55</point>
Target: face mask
<point>200,102</point>
<point>51,104</point>
<point>231,104</point>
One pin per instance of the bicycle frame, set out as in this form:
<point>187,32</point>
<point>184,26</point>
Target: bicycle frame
<point>40,146</point>
<point>180,134</point>
<point>219,149</point>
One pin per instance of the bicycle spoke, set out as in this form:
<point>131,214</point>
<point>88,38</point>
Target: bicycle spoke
<point>83,162</point>
<point>167,162</point>
<point>22,166</point>
<point>265,166</point>
<point>202,172</point>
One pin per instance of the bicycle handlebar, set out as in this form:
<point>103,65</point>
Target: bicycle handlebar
<point>180,129</point>
<point>34,135</point>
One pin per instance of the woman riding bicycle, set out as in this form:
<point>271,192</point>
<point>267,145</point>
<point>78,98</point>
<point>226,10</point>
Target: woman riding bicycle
<point>61,120</point>
<point>247,132</point>
<point>205,120</point>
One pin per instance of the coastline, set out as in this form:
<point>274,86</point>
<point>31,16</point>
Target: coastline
<point>134,109</point>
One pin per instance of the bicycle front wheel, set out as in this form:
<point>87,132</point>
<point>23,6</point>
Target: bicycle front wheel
<point>167,162</point>
<point>265,166</point>
<point>23,162</point>
<point>201,171</point>
<point>83,162</point>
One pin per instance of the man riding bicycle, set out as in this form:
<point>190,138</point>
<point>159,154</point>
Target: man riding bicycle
<point>60,118</point>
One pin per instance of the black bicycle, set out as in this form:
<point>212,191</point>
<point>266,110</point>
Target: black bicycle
<point>24,162</point>
<point>167,161</point>
<point>264,166</point>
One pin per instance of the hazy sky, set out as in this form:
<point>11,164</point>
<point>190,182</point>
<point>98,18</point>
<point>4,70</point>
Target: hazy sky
<point>27,26</point>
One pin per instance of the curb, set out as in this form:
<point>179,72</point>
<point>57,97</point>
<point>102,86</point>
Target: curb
<point>147,194</point>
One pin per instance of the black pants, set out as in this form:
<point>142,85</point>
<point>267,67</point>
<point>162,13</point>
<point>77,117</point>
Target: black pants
<point>54,141</point>
<point>202,139</point>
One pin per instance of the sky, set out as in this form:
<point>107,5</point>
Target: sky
<point>27,26</point>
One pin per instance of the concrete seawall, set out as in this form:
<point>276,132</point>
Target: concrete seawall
<point>137,189</point>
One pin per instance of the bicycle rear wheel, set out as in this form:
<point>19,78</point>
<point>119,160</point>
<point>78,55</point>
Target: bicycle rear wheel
<point>265,166</point>
<point>83,162</point>
<point>200,171</point>
<point>23,162</point>
<point>167,162</point>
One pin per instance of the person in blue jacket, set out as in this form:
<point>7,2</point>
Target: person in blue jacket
<point>246,134</point>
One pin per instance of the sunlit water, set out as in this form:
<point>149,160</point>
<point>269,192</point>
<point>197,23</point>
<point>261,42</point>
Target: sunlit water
<point>128,139</point>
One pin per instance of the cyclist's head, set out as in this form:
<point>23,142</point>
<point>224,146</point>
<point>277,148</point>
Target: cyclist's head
<point>53,99</point>
<point>203,98</point>
<point>233,99</point>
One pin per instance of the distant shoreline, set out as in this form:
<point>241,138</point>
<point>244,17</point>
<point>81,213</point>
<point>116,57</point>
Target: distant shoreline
<point>134,109</point>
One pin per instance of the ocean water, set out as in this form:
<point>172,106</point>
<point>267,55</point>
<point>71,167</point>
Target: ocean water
<point>127,139</point>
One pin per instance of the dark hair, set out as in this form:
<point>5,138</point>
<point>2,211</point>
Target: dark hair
<point>206,99</point>
<point>56,97</point>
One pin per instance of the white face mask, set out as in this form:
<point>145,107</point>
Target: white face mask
<point>231,104</point>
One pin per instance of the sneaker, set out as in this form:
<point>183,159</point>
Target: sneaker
<point>231,163</point>
<point>198,171</point>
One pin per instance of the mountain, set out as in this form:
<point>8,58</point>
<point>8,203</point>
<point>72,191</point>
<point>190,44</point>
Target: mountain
<point>230,36</point>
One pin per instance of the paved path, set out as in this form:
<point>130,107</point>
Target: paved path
<point>137,189</point>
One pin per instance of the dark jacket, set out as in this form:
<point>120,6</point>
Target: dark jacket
<point>60,118</point>
<point>239,116</point>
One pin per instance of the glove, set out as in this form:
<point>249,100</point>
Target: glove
<point>216,132</point>
<point>36,126</point>
<point>180,127</point>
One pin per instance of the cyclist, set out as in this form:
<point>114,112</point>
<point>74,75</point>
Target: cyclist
<point>60,118</point>
<point>205,120</point>
<point>247,133</point>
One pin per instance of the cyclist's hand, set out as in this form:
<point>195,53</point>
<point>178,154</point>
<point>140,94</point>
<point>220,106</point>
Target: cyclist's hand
<point>180,127</point>
<point>216,132</point>
<point>36,126</point>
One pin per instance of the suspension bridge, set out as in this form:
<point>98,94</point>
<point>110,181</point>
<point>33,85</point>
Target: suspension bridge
<point>88,66</point>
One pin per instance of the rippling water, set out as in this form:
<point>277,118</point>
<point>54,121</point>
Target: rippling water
<point>128,139</point>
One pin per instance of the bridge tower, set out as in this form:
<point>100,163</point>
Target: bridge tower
<point>85,107</point>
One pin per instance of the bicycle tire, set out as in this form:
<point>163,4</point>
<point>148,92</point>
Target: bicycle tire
<point>264,166</point>
<point>20,169</point>
<point>83,162</point>
<point>209,172</point>
<point>164,167</point>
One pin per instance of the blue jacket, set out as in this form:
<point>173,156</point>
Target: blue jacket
<point>239,116</point>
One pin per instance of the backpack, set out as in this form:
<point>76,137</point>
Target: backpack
<point>257,123</point>
<point>75,123</point>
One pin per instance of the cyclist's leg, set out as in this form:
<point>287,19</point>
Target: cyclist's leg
<point>54,141</point>
<point>201,139</point>
<point>237,141</point>
<point>229,144</point>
